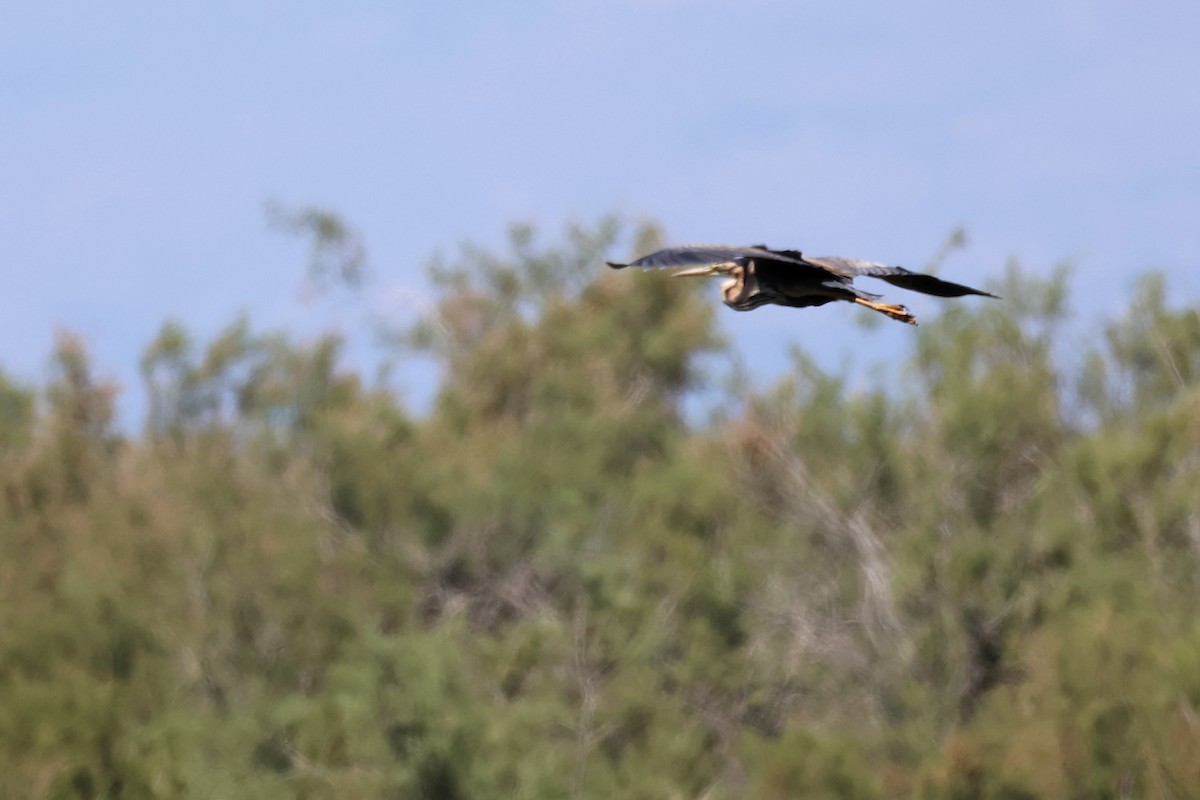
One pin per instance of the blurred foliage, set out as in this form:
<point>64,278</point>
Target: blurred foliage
<point>984,582</point>
<point>337,255</point>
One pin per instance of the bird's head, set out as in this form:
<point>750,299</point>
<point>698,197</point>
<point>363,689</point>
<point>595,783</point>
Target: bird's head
<point>737,291</point>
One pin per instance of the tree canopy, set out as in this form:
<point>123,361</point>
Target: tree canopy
<point>555,584</point>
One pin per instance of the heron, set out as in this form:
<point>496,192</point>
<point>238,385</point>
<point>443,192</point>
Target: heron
<point>759,276</point>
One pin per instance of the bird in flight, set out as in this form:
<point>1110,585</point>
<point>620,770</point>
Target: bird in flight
<point>759,275</point>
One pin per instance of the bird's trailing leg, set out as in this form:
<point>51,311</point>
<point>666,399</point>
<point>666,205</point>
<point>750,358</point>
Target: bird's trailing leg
<point>895,312</point>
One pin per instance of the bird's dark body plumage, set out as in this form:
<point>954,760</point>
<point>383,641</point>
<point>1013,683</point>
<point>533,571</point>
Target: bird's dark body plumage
<point>761,276</point>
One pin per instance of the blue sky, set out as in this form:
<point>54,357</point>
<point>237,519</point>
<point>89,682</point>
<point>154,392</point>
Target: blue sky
<point>140,141</point>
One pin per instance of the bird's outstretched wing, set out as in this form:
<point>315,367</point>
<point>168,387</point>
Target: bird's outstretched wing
<point>699,255</point>
<point>897,276</point>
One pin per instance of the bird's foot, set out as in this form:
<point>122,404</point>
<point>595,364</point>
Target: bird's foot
<point>895,312</point>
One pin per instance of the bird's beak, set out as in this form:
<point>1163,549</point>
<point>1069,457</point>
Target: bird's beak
<point>711,269</point>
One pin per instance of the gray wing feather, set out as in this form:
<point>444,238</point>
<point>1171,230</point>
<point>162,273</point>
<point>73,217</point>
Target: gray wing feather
<point>897,276</point>
<point>851,267</point>
<point>697,255</point>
